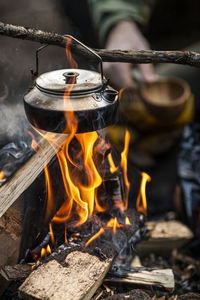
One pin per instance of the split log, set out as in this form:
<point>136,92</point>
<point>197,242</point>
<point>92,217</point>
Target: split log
<point>26,175</point>
<point>10,239</point>
<point>12,273</point>
<point>130,56</point>
<point>10,236</point>
<point>164,237</point>
<point>162,278</point>
<point>78,278</point>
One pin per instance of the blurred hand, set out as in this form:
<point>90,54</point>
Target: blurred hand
<point>125,36</point>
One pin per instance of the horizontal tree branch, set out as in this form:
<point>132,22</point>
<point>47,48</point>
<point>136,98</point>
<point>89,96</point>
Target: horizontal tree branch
<point>129,56</point>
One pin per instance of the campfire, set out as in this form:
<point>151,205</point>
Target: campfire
<point>87,167</point>
<point>78,230</point>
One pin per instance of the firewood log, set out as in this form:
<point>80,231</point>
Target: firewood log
<point>78,278</point>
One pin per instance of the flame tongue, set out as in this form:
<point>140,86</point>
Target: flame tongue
<point>2,175</point>
<point>141,200</point>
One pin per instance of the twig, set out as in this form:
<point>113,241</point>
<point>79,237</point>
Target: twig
<point>132,56</point>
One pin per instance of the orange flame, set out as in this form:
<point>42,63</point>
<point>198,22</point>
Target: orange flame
<point>87,141</point>
<point>120,93</point>
<point>127,221</point>
<point>101,230</point>
<point>34,143</point>
<point>72,62</point>
<point>113,223</point>
<point>43,252</point>
<point>49,204</point>
<point>51,234</point>
<point>2,175</point>
<point>48,249</point>
<point>66,240</point>
<point>141,199</point>
<point>113,169</point>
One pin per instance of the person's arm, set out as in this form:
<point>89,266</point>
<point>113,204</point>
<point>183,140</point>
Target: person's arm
<point>116,22</point>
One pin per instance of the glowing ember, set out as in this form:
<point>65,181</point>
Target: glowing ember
<point>141,200</point>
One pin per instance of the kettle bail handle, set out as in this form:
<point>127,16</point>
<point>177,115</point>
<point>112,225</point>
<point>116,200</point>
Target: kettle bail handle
<point>36,72</point>
<point>91,51</point>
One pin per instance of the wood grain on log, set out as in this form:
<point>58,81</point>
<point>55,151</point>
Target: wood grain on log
<point>25,176</point>
<point>132,56</point>
<point>78,278</point>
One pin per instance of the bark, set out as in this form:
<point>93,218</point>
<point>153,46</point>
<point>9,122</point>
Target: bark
<point>129,56</point>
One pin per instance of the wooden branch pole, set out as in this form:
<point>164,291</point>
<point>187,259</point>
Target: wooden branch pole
<point>129,56</point>
<point>77,279</point>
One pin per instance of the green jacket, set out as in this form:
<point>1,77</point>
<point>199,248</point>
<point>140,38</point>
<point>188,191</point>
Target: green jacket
<point>107,13</point>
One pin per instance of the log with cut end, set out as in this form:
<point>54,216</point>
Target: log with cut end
<point>164,237</point>
<point>78,278</point>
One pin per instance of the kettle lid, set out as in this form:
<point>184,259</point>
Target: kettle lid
<point>74,81</point>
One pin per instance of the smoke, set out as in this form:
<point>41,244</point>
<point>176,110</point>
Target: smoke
<point>15,142</point>
<point>12,119</point>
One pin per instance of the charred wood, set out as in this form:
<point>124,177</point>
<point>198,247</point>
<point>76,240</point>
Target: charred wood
<point>142,276</point>
<point>16,272</point>
<point>131,56</point>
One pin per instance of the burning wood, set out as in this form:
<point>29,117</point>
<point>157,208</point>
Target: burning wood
<point>131,56</point>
